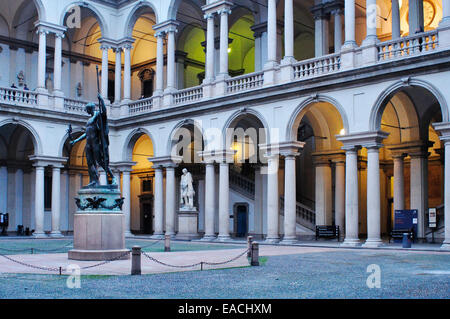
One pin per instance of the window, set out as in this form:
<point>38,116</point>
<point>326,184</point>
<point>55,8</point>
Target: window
<point>147,186</point>
<point>146,77</point>
<point>48,192</point>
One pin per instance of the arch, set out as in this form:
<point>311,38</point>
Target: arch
<point>134,15</point>
<point>294,120</point>
<point>40,9</point>
<point>238,114</point>
<point>37,144</point>
<point>378,108</point>
<point>187,122</point>
<point>130,141</point>
<point>100,19</point>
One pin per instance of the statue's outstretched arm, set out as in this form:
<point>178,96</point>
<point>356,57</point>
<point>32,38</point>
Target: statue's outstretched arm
<point>82,137</point>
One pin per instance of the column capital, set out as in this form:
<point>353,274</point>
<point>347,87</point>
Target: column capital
<point>166,26</point>
<point>444,129</point>
<point>219,7</point>
<point>363,139</point>
<point>126,43</point>
<point>333,156</point>
<point>219,156</point>
<point>47,27</point>
<point>291,149</point>
<point>209,15</point>
<point>165,161</point>
<point>125,166</point>
<point>42,161</point>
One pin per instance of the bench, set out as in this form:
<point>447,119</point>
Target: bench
<point>327,231</point>
<point>398,234</point>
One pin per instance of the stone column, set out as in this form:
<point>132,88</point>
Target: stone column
<point>159,63</point>
<point>339,195</point>
<point>371,22</point>
<point>159,204</point>
<point>3,188</point>
<point>58,63</point>
<point>337,13</point>
<point>395,20</point>
<point>118,75</point>
<point>419,188</point>
<point>321,33</point>
<point>126,193</point>
<point>209,74</point>
<point>223,70</point>
<point>446,244</point>
<point>127,72</point>
<point>39,202</point>
<point>349,14</point>
<point>373,198</point>
<point>56,201</point>
<point>323,193</point>
<point>271,34</point>
<point>42,58</point>
<point>210,203</point>
<point>171,59</point>
<point>288,30</point>
<point>272,199</point>
<point>170,200</point>
<point>399,182</point>
<point>415,18</point>
<point>224,202</point>
<point>351,197</point>
<point>290,199</point>
<point>445,13</point>
<point>104,92</point>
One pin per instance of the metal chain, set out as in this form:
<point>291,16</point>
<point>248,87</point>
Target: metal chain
<point>32,266</point>
<point>154,243</point>
<point>54,249</point>
<point>106,261</point>
<point>197,264</point>
<point>35,249</point>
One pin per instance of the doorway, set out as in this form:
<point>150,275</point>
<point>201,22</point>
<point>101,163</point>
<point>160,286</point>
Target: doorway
<point>241,219</point>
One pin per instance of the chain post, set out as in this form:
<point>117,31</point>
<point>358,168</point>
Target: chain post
<point>136,260</point>
<point>255,255</point>
<point>249,245</point>
<point>167,243</point>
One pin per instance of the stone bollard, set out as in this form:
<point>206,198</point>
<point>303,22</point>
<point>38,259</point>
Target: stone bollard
<point>167,243</point>
<point>136,260</point>
<point>255,255</point>
<point>249,245</point>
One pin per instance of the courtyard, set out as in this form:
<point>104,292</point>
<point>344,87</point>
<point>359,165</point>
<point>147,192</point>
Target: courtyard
<point>292,272</point>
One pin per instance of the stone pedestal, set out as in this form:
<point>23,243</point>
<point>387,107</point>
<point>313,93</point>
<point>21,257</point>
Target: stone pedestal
<point>99,225</point>
<point>187,224</point>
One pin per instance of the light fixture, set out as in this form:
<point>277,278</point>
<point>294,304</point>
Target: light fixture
<point>342,132</point>
<point>229,50</point>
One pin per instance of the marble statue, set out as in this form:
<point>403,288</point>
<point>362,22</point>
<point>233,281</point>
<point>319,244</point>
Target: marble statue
<point>186,191</point>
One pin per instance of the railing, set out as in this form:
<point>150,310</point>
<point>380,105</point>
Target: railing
<point>18,97</point>
<point>317,66</point>
<point>245,82</point>
<point>140,106</point>
<point>305,216</point>
<point>72,105</point>
<point>242,184</point>
<point>407,46</point>
<point>188,95</point>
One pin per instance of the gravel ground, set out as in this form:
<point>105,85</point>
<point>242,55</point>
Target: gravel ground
<point>336,274</point>
<point>45,246</point>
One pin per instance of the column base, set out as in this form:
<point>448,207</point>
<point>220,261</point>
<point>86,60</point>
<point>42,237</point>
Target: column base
<point>351,242</point>
<point>39,235</point>
<point>157,236</point>
<point>128,234</point>
<point>56,234</point>
<point>172,235</point>
<point>372,243</point>
<point>289,241</point>
<point>208,238</point>
<point>272,240</point>
<point>223,238</point>
<point>445,246</point>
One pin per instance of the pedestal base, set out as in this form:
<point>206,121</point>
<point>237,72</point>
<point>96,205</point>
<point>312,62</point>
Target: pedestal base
<point>187,224</point>
<point>98,255</point>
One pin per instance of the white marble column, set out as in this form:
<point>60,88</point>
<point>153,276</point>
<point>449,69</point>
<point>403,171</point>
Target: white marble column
<point>170,200</point>
<point>337,30</point>
<point>321,34</point>
<point>159,63</point>
<point>58,63</point>
<point>42,59</point>
<point>351,198</point>
<point>445,13</point>
<point>373,198</point>
<point>419,189</point>
<point>210,203</point>
<point>223,49</point>
<point>104,92</point>
<point>118,76</point>
<point>127,72</point>
<point>126,208</point>
<point>339,196</point>
<point>3,188</point>
<point>288,30</point>
<point>371,22</point>
<point>349,14</point>
<point>323,195</point>
<point>159,204</point>
<point>272,199</point>
<point>415,16</point>
<point>290,199</point>
<point>56,201</point>
<point>209,48</point>
<point>395,20</point>
<point>39,202</point>
<point>224,202</point>
<point>271,33</point>
<point>399,183</point>
<point>446,244</point>
<point>171,59</point>
<point>18,185</point>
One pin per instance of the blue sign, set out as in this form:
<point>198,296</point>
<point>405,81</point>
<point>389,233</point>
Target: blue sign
<point>406,219</point>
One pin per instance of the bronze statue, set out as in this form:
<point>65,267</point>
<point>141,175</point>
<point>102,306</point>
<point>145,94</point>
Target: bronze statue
<point>97,142</point>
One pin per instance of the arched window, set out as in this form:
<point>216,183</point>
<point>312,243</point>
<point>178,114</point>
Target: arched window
<point>146,76</point>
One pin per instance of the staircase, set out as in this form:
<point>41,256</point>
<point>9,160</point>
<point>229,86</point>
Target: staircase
<point>306,217</point>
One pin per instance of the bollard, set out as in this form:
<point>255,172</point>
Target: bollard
<point>167,243</point>
<point>255,255</point>
<point>249,243</point>
<point>136,260</point>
